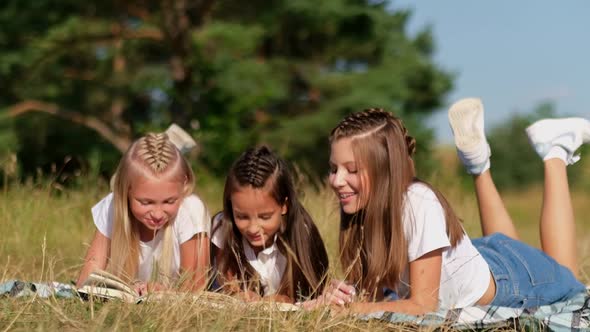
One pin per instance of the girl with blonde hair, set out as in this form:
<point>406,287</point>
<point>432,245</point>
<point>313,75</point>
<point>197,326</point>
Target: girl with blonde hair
<point>151,230</point>
<point>399,234</point>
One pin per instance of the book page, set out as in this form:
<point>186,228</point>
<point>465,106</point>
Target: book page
<point>104,279</point>
<point>108,293</point>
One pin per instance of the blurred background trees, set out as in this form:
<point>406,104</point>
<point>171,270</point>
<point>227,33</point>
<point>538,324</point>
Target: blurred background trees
<point>79,80</point>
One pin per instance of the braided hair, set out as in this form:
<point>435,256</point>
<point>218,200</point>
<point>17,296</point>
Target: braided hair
<point>370,121</point>
<point>152,156</point>
<point>156,151</point>
<point>383,150</point>
<point>298,238</point>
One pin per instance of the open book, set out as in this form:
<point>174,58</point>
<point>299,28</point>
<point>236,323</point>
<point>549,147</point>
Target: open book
<point>103,285</point>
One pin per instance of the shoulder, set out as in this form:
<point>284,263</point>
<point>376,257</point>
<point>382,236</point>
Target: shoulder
<point>103,215</point>
<point>105,202</point>
<point>421,207</point>
<point>193,208</point>
<point>420,196</point>
<point>193,217</point>
<point>193,202</point>
<point>419,191</point>
<point>424,221</point>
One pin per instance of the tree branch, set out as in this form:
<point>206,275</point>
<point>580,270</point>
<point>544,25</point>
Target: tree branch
<point>121,142</point>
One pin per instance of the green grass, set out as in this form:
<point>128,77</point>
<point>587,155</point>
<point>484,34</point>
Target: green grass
<point>45,232</point>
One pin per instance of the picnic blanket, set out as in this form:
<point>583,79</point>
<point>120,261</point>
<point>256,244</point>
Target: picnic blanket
<point>570,315</point>
<point>16,288</point>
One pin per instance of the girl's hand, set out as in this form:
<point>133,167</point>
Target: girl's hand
<point>144,288</point>
<point>249,296</point>
<point>313,304</point>
<point>141,288</point>
<point>338,293</point>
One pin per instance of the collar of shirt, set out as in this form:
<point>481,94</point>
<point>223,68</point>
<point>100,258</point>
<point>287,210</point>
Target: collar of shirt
<point>269,263</point>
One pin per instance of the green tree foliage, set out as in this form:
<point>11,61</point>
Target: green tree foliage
<point>514,162</point>
<point>233,73</point>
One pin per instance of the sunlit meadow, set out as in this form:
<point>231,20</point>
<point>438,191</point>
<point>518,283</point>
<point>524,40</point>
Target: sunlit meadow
<point>45,230</point>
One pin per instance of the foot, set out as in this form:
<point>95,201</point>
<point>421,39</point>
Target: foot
<point>567,133</point>
<point>467,122</point>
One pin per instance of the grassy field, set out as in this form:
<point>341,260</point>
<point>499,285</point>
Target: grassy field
<point>45,232</point>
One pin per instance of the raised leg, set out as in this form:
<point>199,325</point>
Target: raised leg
<point>466,118</point>
<point>556,141</point>
<point>557,226</point>
<point>494,217</point>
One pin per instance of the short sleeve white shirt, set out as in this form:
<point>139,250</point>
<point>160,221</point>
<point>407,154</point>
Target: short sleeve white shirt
<point>465,274</point>
<point>270,263</point>
<point>192,218</point>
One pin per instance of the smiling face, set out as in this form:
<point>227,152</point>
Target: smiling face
<point>347,179</point>
<point>257,215</point>
<point>154,202</point>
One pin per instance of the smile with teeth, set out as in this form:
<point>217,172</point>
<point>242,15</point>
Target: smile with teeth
<point>346,195</point>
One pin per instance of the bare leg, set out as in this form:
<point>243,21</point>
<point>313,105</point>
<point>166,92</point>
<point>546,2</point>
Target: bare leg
<point>556,142</point>
<point>558,228</point>
<point>493,215</point>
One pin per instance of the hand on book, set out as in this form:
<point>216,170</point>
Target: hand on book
<point>144,288</point>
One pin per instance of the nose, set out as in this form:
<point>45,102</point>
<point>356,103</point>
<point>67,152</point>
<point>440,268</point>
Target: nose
<point>157,213</point>
<point>337,179</point>
<point>253,227</point>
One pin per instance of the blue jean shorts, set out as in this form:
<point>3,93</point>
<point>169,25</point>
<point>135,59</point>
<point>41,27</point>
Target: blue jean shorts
<point>525,276</point>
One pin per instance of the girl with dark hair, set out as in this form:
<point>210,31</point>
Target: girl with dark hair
<point>265,244</point>
<point>399,233</point>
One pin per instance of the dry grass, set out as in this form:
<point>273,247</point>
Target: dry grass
<point>45,233</point>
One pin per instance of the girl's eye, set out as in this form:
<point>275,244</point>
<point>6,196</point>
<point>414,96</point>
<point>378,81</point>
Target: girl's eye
<point>333,169</point>
<point>170,201</point>
<point>144,203</point>
<point>352,171</point>
<point>265,216</point>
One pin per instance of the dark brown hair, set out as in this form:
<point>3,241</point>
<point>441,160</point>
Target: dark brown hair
<point>383,148</point>
<point>298,238</point>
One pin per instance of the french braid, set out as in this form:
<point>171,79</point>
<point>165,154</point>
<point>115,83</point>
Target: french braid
<point>256,166</point>
<point>369,121</point>
<point>157,151</point>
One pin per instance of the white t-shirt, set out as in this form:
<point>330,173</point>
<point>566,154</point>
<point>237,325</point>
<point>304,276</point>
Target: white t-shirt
<point>270,263</point>
<point>192,218</point>
<point>465,274</point>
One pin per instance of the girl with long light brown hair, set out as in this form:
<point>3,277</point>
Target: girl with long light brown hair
<point>399,235</point>
<point>151,230</point>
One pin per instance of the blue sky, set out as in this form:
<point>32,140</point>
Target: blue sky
<point>512,54</point>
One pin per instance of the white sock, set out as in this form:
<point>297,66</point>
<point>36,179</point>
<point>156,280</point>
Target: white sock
<point>557,152</point>
<point>478,160</point>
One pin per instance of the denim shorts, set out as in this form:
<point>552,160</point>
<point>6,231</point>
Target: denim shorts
<point>525,276</point>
